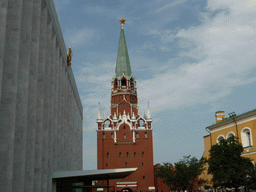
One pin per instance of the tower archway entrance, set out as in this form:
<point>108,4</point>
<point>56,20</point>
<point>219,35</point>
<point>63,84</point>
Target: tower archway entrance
<point>126,190</point>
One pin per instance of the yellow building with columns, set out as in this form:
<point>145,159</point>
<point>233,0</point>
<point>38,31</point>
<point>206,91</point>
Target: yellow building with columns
<point>242,126</point>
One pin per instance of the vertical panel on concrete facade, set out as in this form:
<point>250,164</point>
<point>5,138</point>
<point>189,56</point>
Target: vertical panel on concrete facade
<point>32,90</point>
<point>22,98</point>
<point>62,116</point>
<point>3,17</point>
<point>47,106</point>
<point>77,136</point>
<point>51,109</point>
<point>72,138</point>
<point>9,92</point>
<point>59,135</point>
<point>56,105</point>
<point>32,97</point>
<point>65,152</point>
<point>80,137</point>
<point>37,95</point>
<point>69,112</point>
<point>40,101</point>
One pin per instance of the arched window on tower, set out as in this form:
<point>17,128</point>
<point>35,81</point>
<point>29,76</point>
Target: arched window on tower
<point>141,123</point>
<point>115,84</point>
<point>123,82</point>
<point>246,137</point>
<point>107,124</point>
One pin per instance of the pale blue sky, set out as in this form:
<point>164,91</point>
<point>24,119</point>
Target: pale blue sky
<point>190,58</point>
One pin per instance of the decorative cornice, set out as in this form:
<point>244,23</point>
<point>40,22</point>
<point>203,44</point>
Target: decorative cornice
<point>229,123</point>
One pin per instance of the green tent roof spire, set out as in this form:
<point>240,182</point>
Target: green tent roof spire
<point>123,63</point>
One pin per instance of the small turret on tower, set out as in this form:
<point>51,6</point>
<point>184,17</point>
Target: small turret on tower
<point>99,117</point>
<point>149,118</point>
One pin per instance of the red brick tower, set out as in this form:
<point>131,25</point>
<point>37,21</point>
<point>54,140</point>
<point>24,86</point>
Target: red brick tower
<point>124,138</point>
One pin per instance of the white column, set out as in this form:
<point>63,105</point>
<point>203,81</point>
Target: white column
<point>115,140</point>
<point>133,136</point>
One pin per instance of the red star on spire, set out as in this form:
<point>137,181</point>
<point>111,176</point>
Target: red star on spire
<point>122,21</point>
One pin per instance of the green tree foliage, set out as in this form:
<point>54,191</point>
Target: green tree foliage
<point>183,174</point>
<point>228,167</point>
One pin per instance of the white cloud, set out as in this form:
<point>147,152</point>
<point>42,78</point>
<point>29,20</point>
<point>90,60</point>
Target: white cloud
<point>165,37</point>
<point>149,45</point>
<point>95,81</point>
<point>81,36</point>
<point>225,52</point>
<point>235,5</point>
<point>171,5</point>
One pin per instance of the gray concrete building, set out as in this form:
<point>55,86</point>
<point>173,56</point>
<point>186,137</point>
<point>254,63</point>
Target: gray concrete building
<point>40,109</point>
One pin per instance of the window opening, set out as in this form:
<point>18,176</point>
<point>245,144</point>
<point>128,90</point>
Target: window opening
<point>230,135</point>
<point>125,164</point>
<point>127,154</point>
<point>103,136</point>
<point>120,155</point>
<point>123,83</point>
<point>112,136</point>
<point>248,137</point>
<point>146,135</point>
<point>141,123</point>
<point>137,135</point>
<point>134,154</point>
<point>107,123</point>
<point>142,154</point>
<point>131,82</point>
<point>124,136</point>
<point>142,164</point>
<point>124,104</point>
<point>115,84</point>
<point>107,155</point>
<point>220,138</point>
<point>143,177</point>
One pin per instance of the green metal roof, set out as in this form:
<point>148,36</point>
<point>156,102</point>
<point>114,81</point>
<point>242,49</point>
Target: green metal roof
<point>123,62</point>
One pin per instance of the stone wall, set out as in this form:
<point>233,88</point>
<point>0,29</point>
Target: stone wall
<point>40,108</point>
